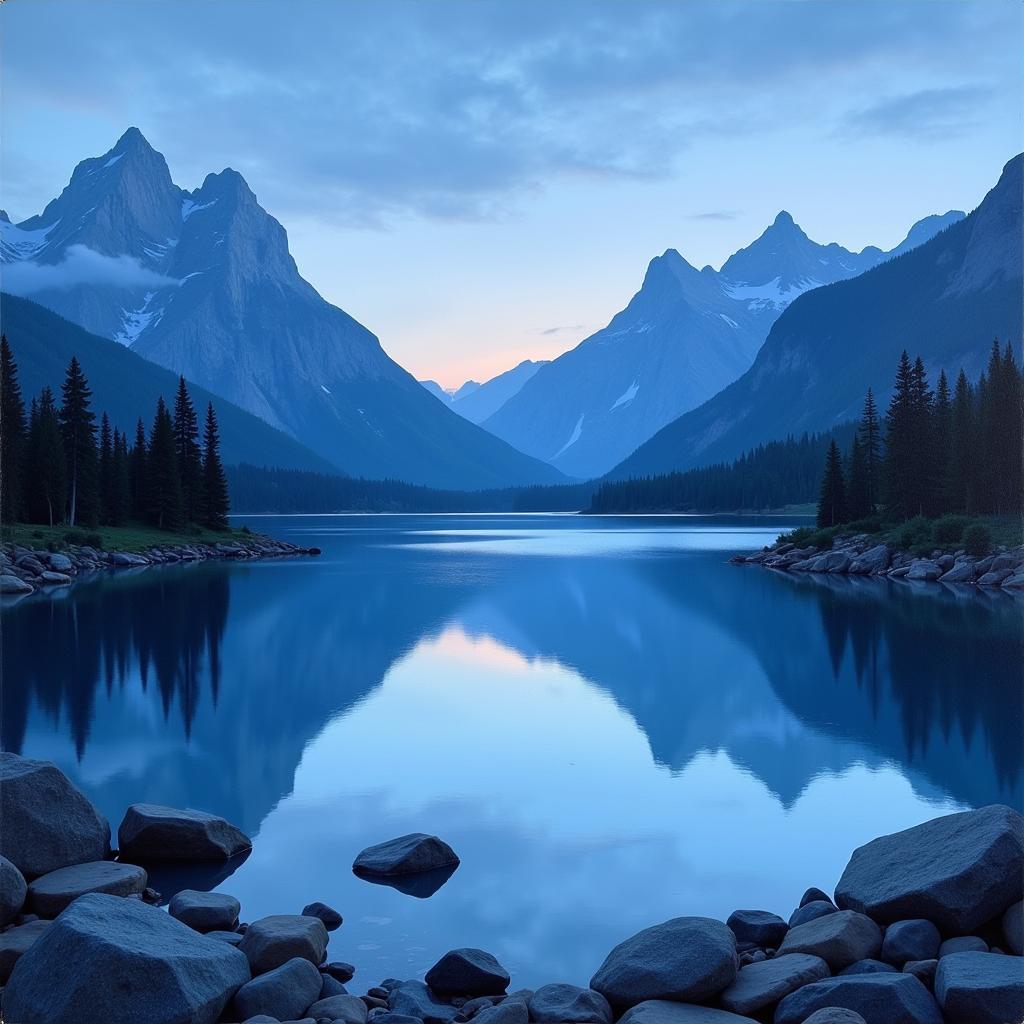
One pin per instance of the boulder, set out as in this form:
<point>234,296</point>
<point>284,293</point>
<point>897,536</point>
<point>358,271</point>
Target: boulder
<point>390,1017</point>
<point>923,569</point>
<point>814,895</point>
<point>686,958</point>
<point>330,917</point>
<point>331,987</point>
<point>840,939</point>
<point>963,944</point>
<point>285,992</point>
<point>874,560</point>
<point>47,822</point>
<point>151,832</point>
<point>54,579</point>
<point>1013,928</point>
<point>760,986</point>
<point>1015,581</point>
<point>272,941</point>
<point>205,911</point>
<point>869,967</point>
<point>980,988</point>
<point>663,1011</point>
<point>132,963</point>
<point>510,1011</point>
<point>923,970</point>
<point>10,584</point>
<point>957,871</point>
<point>467,972</point>
<point>757,928</point>
<point>414,999</point>
<point>16,941</point>
<point>232,938</point>
<point>811,912</point>
<point>964,570</point>
<point>340,970</point>
<point>49,894</point>
<point>552,1004</point>
<point>406,855</point>
<point>878,998</point>
<point>12,891</point>
<point>916,939</point>
<point>835,1015</point>
<point>60,563</point>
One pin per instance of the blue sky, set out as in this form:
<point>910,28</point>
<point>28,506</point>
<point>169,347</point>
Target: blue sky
<point>481,181</point>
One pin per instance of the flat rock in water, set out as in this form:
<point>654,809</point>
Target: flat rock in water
<point>757,927</point>
<point>878,998</point>
<point>16,941</point>
<point>47,822</point>
<point>10,584</point>
<point>330,917</point>
<point>958,871</point>
<point>414,999</point>
<point>406,855</point>
<point>49,894</point>
<point>273,941</point>
<point>467,972</point>
<point>761,985</point>
<point>132,964</point>
<point>811,912</point>
<point>346,1009</point>
<point>662,1011</point>
<point>685,959</point>
<point>13,891</point>
<point>570,1004</point>
<point>150,832</point>
<point>840,939</point>
<point>916,939</point>
<point>205,911</point>
<point>285,992</point>
<point>981,988</point>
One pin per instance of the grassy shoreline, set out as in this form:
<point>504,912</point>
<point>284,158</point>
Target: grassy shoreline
<point>135,538</point>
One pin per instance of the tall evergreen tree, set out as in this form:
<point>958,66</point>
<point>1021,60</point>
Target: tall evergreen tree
<point>832,503</point>
<point>12,436</point>
<point>215,484</point>
<point>46,463</point>
<point>899,444</point>
<point>163,483</point>
<point>137,474</point>
<point>120,484</point>
<point>922,443</point>
<point>858,494</point>
<point>870,433</point>
<point>186,446</point>
<point>106,471</point>
<point>77,423</point>
<point>940,445</point>
<point>960,467</point>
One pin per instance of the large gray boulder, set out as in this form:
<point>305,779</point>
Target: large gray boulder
<point>963,944</point>
<point>16,941</point>
<point>570,1004</point>
<point>11,584</point>
<point>981,988</point>
<point>273,941</point>
<point>687,959</point>
<point>131,963</point>
<point>760,986</point>
<point>958,871</point>
<point>811,911</point>
<point>344,1009</point>
<point>757,928</point>
<point>406,855</point>
<point>205,911</point>
<point>878,998</point>
<point>509,1011</point>
<point>285,992</point>
<point>663,1011</point>
<point>49,894</point>
<point>47,822</point>
<point>150,832</point>
<point>904,941</point>
<point>840,939</point>
<point>415,999</point>
<point>467,972</point>
<point>13,891</point>
<point>924,569</point>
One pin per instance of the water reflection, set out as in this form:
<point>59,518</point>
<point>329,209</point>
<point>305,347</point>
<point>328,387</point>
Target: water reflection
<point>608,723</point>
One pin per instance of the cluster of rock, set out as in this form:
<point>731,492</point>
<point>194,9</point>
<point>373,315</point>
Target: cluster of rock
<point>24,570</point>
<point>862,555</point>
<point>926,926</point>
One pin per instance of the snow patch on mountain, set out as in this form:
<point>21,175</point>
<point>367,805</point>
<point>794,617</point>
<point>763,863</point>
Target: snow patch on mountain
<point>574,437</point>
<point>19,244</point>
<point>190,206</point>
<point>626,397</point>
<point>135,321</point>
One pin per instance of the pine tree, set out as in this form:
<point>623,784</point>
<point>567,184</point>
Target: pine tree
<point>120,489</point>
<point>12,437</point>
<point>961,464</point>
<point>46,463</point>
<point>137,474</point>
<point>922,444</point>
<point>186,446</point>
<point>832,503</point>
<point>870,433</point>
<point>164,502</point>
<point>77,426</point>
<point>858,500</point>
<point>214,480</point>
<point>900,467</point>
<point>106,471</point>
<point>940,443</point>
<point>1012,444</point>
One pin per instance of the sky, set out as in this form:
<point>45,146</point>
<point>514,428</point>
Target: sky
<point>485,181</point>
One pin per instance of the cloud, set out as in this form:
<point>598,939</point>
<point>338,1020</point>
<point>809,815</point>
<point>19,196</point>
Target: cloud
<point>81,265</point>
<point>561,329</point>
<point>925,114</point>
<point>714,215</point>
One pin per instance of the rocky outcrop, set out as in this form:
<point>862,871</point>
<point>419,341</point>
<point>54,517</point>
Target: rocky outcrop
<point>49,894</point>
<point>150,832</point>
<point>413,854</point>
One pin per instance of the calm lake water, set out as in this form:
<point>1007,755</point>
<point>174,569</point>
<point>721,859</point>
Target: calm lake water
<point>610,724</point>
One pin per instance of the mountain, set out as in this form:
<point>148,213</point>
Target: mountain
<point>683,337</point>
<point>945,300</point>
<point>127,386</point>
<point>203,283</point>
<point>475,402</point>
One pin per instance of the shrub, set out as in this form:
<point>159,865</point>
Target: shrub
<point>915,532</point>
<point>949,529</point>
<point>977,539</point>
<point>798,536</point>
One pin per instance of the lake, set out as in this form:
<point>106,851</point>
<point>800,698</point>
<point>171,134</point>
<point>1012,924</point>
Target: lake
<point>609,723</point>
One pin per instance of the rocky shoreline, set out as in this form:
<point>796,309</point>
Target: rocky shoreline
<point>862,555</point>
<point>925,926</point>
<point>25,570</point>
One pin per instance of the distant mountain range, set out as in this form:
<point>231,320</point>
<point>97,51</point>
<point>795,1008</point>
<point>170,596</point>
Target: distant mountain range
<point>946,300</point>
<point>684,336</point>
<point>477,401</point>
<point>203,283</point>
